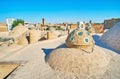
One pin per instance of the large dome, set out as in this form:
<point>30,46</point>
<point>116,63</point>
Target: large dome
<point>78,58</point>
<point>18,31</point>
<point>78,61</point>
<point>112,37</point>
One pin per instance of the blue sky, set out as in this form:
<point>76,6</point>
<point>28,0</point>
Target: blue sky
<point>59,11</point>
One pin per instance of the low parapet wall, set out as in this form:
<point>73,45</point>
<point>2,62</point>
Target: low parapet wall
<point>4,34</point>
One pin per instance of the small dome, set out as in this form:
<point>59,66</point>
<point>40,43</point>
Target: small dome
<point>80,38</point>
<point>89,28</point>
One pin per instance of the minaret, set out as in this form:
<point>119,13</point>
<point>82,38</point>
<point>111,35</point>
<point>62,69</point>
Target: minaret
<point>43,21</point>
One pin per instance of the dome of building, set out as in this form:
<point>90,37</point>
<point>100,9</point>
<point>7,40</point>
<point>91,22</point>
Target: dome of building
<point>80,38</point>
<point>78,61</point>
<point>18,31</point>
<point>112,37</point>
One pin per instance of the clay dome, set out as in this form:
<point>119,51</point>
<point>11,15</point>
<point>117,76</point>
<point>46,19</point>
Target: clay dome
<point>80,38</point>
<point>78,61</point>
<point>112,37</point>
<point>18,30</point>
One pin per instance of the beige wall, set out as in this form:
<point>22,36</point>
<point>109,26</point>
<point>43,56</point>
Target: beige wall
<point>110,23</point>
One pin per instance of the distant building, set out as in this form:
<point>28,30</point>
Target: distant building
<point>29,25</point>
<point>9,22</point>
<point>110,22</point>
<point>99,27</point>
<point>38,26</point>
<point>73,26</point>
<point>26,24</point>
<point>3,27</point>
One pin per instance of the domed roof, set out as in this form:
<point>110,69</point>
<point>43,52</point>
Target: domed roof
<point>112,37</point>
<point>18,30</point>
<point>77,61</point>
<point>80,38</point>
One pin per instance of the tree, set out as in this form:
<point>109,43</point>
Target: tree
<point>59,28</point>
<point>16,22</point>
